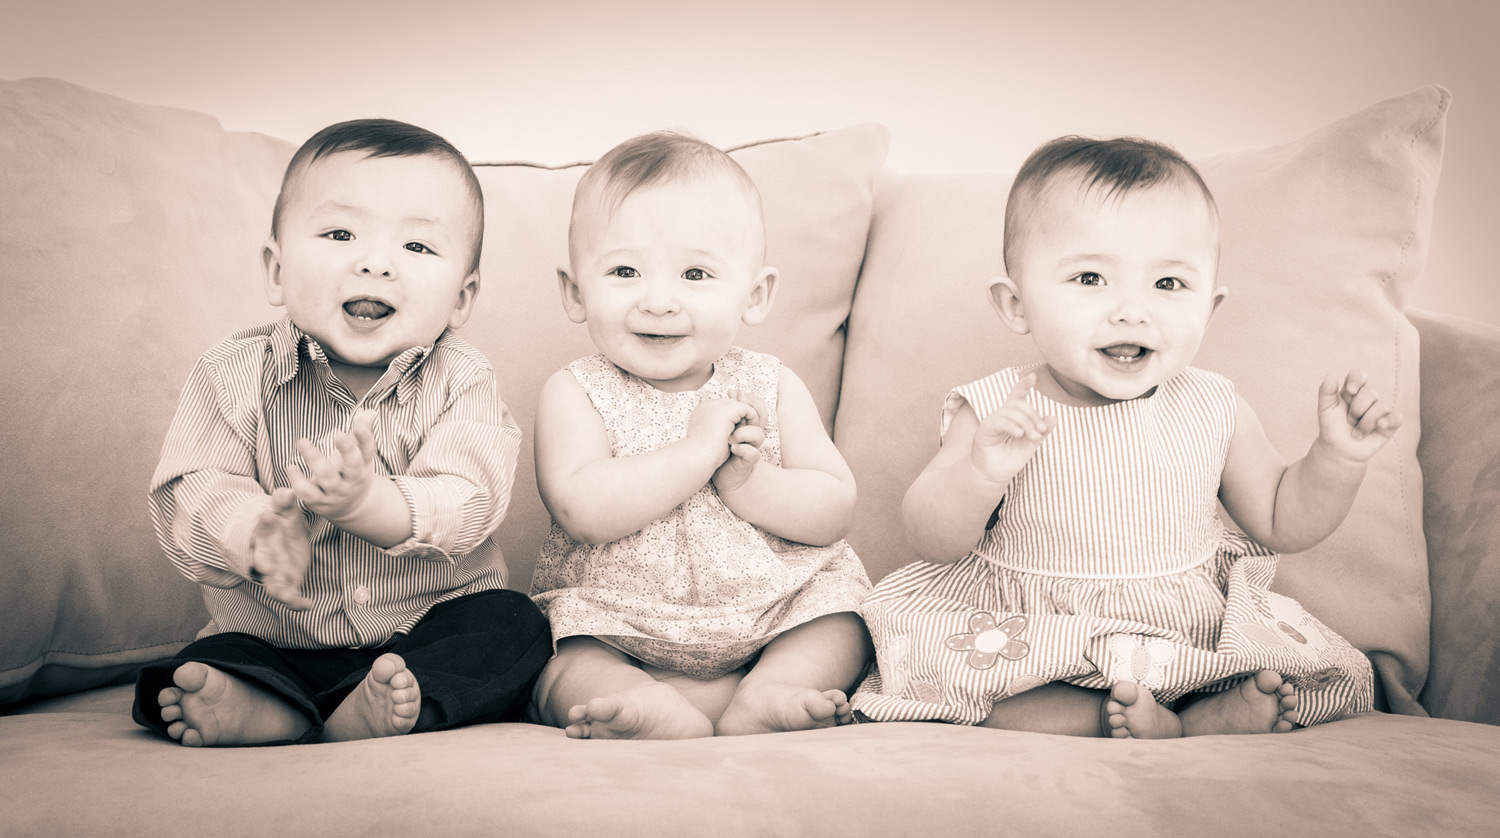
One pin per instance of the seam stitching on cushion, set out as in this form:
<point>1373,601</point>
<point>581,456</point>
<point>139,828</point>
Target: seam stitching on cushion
<point>526,165</point>
<point>1411,234</point>
<point>1402,481</point>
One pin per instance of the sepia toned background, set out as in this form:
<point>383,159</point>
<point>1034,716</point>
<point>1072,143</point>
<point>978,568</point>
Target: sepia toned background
<point>561,81</point>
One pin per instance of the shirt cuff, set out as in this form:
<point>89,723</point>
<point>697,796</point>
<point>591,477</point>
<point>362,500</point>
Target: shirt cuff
<point>237,534</point>
<point>426,522</point>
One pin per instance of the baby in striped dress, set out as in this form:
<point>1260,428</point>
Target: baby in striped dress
<point>1075,576</point>
<point>696,577</point>
<point>331,480</point>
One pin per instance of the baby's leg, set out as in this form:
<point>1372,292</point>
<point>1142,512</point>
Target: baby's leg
<point>800,678</point>
<point>384,704</point>
<point>1057,708</point>
<point>211,707</point>
<point>595,691</point>
<point>1130,711</point>
<point>1262,703</point>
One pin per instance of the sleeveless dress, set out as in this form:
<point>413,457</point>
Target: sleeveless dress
<point>700,591</point>
<point>1107,562</point>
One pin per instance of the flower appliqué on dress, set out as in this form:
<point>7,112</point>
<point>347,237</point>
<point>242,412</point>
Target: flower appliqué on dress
<point>1141,661</point>
<point>987,640</point>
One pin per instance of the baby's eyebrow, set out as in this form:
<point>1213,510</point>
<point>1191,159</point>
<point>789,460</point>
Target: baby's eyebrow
<point>1086,257</point>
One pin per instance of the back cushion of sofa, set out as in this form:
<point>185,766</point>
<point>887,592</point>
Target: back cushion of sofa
<point>1323,240</point>
<point>130,242</point>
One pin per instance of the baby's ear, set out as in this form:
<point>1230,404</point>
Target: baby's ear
<point>762,294</point>
<point>1005,296</point>
<point>1219,294</point>
<point>572,297</point>
<point>464,307</point>
<point>270,262</point>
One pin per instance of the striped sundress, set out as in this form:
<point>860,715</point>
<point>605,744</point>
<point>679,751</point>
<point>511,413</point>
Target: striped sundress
<point>701,590</point>
<point>1107,562</point>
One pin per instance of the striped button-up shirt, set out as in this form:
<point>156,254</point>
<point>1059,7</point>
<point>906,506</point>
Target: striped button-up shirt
<point>442,435</point>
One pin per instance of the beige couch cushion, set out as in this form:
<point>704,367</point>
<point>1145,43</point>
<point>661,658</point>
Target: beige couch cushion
<point>1324,239</point>
<point>130,239</point>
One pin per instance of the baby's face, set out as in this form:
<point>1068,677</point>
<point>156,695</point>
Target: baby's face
<point>373,255</point>
<point>1117,291</point>
<point>665,279</point>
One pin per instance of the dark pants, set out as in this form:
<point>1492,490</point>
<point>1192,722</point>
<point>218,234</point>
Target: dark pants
<point>475,659</point>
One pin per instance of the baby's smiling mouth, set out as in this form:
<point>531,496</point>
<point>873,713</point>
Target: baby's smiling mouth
<point>367,309</point>
<point>1125,353</point>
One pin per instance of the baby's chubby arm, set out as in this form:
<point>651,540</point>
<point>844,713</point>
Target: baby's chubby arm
<point>946,509</point>
<point>213,518</point>
<point>1291,507</point>
<point>343,487</point>
<point>809,498</point>
<point>597,497</point>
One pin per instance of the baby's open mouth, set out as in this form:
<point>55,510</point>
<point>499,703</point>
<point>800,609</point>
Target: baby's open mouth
<point>368,309</point>
<point>1127,353</point>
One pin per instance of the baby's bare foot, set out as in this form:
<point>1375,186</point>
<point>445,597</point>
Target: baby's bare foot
<point>771,707</point>
<point>1131,712</point>
<point>384,704</point>
<point>210,707</point>
<point>650,711</point>
<point>1262,703</point>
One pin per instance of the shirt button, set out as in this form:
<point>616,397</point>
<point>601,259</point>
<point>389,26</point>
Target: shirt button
<point>361,596</point>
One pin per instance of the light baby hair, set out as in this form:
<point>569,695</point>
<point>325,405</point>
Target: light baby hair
<point>648,160</point>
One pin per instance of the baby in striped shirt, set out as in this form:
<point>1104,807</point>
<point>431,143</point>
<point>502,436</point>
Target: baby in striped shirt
<point>331,479</point>
<point>1075,576</point>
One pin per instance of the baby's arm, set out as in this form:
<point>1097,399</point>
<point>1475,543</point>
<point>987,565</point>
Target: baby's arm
<point>597,497</point>
<point>343,487</point>
<point>452,494</point>
<point>950,503</point>
<point>810,497</point>
<point>213,519</point>
<point>1290,507</point>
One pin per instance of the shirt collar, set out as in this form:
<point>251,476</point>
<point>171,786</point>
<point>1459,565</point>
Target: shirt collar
<point>288,341</point>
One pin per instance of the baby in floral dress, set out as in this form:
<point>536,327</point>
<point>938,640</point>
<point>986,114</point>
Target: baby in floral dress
<point>1076,577</point>
<point>695,577</point>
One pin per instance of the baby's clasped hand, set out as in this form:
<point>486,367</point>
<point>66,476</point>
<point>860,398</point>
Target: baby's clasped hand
<point>737,422</point>
<point>1353,421</point>
<point>335,485</point>
<point>1009,435</point>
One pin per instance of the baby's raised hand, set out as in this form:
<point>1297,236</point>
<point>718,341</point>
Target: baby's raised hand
<point>335,485</point>
<point>1008,437</point>
<point>281,550</point>
<point>1352,418</point>
<point>744,444</point>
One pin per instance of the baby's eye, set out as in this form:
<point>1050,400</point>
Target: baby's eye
<point>418,247</point>
<point>695,274</point>
<point>1169,283</point>
<point>625,272</point>
<point>339,235</point>
<point>1090,278</point>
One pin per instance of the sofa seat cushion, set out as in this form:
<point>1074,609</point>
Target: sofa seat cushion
<point>1372,774</point>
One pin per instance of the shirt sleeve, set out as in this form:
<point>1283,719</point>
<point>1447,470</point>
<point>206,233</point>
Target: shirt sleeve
<point>204,497</point>
<point>458,485</point>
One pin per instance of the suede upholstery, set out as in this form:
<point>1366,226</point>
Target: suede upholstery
<point>129,241</point>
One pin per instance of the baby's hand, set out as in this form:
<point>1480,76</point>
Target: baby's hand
<point>1008,437</point>
<point>1352,419</point>
<point>281,550</point>
<point>744,444</point>
<point>714,422</point>
<point>334,486</point>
